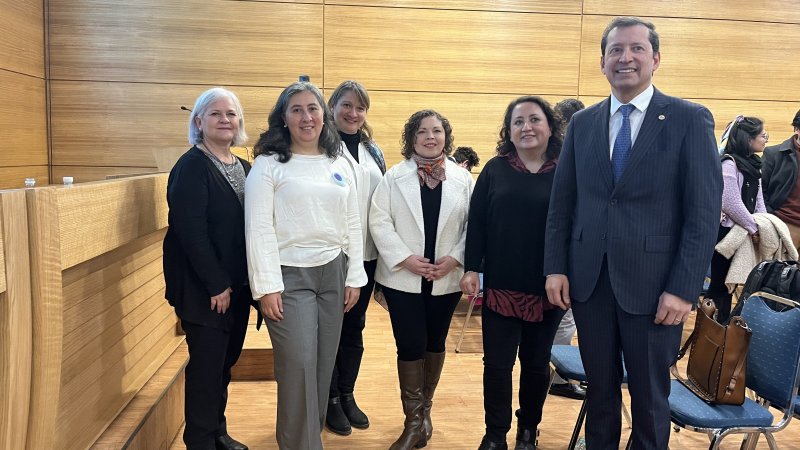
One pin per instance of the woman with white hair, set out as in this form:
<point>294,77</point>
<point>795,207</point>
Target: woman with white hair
<point>205,262</point>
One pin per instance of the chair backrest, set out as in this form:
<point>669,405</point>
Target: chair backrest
<point>774,354</point>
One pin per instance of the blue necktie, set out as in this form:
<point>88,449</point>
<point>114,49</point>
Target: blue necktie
<point>622,145</point>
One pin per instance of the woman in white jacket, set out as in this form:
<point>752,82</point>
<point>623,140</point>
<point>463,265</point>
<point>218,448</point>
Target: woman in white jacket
<point>418,220</point>
<point>350,104</point>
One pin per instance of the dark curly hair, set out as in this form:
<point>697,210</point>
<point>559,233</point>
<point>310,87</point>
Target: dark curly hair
<point>504,144</point>
<point>467,154</point>
<point>412,125</point>
<point>278,141</point>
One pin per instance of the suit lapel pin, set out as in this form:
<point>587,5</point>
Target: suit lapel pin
<point>662,117</point>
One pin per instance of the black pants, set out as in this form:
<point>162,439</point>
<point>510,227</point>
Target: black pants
<point>503,337</point>
<point>420,322</point>
<point>717,290</point>
<point>212,353</point>
<point>351,343</point>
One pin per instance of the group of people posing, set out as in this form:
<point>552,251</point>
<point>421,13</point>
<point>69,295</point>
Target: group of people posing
<point>617,219</point>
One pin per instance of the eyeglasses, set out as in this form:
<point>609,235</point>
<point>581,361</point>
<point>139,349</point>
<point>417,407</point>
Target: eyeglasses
<point>765,135</point>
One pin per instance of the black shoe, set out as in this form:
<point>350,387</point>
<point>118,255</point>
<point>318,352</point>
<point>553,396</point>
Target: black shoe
<point>486,444</point>
<point>568,390</point>
<point>354,414</point>
<point>527,439</point>
<point>225,442</point>
<point>335,420</point>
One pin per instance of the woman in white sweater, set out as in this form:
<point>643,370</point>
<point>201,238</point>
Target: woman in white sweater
<point>418,220</point>
<point>304,254</point>
<point>349,104</point>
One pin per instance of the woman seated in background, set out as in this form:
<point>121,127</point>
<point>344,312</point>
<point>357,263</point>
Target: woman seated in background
<point>741,198</point>
<point>418,219</point>
<point>205,267</point>
<point>304,254</point>
<point>350,104</point>
<point>506,231</point>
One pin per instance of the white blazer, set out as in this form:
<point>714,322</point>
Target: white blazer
<point>367,175</point>
<point>397,226</point>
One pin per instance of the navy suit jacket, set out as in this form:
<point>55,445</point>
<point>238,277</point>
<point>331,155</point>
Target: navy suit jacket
<point>657,226</point>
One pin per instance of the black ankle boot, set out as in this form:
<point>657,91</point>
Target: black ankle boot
<point>354,414</point>
<point>226,442</point>
<point>527,439</point>
<point>486,444</point>
<point>335,419</point>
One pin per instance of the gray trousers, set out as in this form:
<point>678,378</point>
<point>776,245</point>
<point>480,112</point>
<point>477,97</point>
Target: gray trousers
<point>304,349</point>
<point>566,329</point>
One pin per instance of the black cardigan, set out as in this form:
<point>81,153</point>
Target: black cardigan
<point>507,218</point>
<point>204,249</point>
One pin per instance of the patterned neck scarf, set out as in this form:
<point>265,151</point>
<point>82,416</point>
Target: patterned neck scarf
<point>430,170</point>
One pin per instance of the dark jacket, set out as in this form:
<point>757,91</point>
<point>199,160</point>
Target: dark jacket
<point>204,249</point>
<point>778,174</point>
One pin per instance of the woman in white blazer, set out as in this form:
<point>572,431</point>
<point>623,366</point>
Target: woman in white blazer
<point>418,220</point>
<point>350,104</point>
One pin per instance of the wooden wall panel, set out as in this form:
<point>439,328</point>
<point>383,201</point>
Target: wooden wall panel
<point>23,132</point>
<point>22,37</point>
<point>475,118</point>
<point>14,177</point>
<point>760,11</point>
<point>192,42</point>
<point>455,51</point>
<point>708,59</point>
<point>15,321</point>
<point>546,6</point>
<point>123,124</point>
<point>83,174</point>
<point>121,212</point>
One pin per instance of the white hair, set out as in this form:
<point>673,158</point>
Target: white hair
<point>201,105</point>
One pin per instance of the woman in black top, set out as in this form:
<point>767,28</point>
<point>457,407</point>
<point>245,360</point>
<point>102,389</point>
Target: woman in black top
<point>205,263</point>
<point>506,231</point>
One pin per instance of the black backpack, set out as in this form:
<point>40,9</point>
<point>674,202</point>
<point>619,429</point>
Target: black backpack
<point>781,278</point>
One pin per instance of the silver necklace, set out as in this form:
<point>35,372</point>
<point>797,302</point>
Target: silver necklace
<point>227,169</point>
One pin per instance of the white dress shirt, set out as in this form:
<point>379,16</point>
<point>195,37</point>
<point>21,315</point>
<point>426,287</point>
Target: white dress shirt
<point>636,117</point>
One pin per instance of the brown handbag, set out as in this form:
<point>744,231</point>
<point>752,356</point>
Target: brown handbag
<point>716,371</point>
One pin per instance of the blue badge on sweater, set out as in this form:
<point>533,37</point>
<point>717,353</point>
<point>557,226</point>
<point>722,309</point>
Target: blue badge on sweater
<point>338,179</point>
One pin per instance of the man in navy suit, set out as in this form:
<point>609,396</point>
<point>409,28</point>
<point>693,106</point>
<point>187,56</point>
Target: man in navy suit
<point>632,224</point>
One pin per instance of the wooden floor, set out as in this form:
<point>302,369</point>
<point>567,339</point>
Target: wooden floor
<point>458,404</point>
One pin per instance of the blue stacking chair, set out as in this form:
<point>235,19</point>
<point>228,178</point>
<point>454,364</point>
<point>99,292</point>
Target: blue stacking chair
<point>772,374</point>
<point>566,362</point>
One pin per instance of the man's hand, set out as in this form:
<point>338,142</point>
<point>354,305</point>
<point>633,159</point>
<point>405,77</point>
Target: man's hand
<point>221,301</point>
<point>557,287</point>
<point>672,310</point>
<point>470,284</point>
<point>272,306</point>
<point>351,296</point>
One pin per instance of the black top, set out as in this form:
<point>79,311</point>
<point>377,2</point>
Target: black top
<point>431,205</point>
<point>507,218</point>
<point>351,141</point>
<point>204,249</point>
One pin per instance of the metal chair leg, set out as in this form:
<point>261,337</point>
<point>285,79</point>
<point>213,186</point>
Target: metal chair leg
<point>472,302</point>
<point>578,425</point>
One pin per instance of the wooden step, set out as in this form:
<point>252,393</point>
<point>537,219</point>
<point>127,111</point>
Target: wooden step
<point>255,362</point>
<point>155,415</point>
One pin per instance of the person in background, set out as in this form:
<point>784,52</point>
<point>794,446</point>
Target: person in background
<point>349,104</point>
<point>507,220</point>
<point>780,181</point>
<point>741,198</point>
<point>205,267</point>
<point>566,329</point>
<point>466,158</point>
<point>631,228</point>
<point>304,254</point>
<point>418,219</point>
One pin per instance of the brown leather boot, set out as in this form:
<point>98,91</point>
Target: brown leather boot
<point>412,377</point>
<point>433,371</point>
